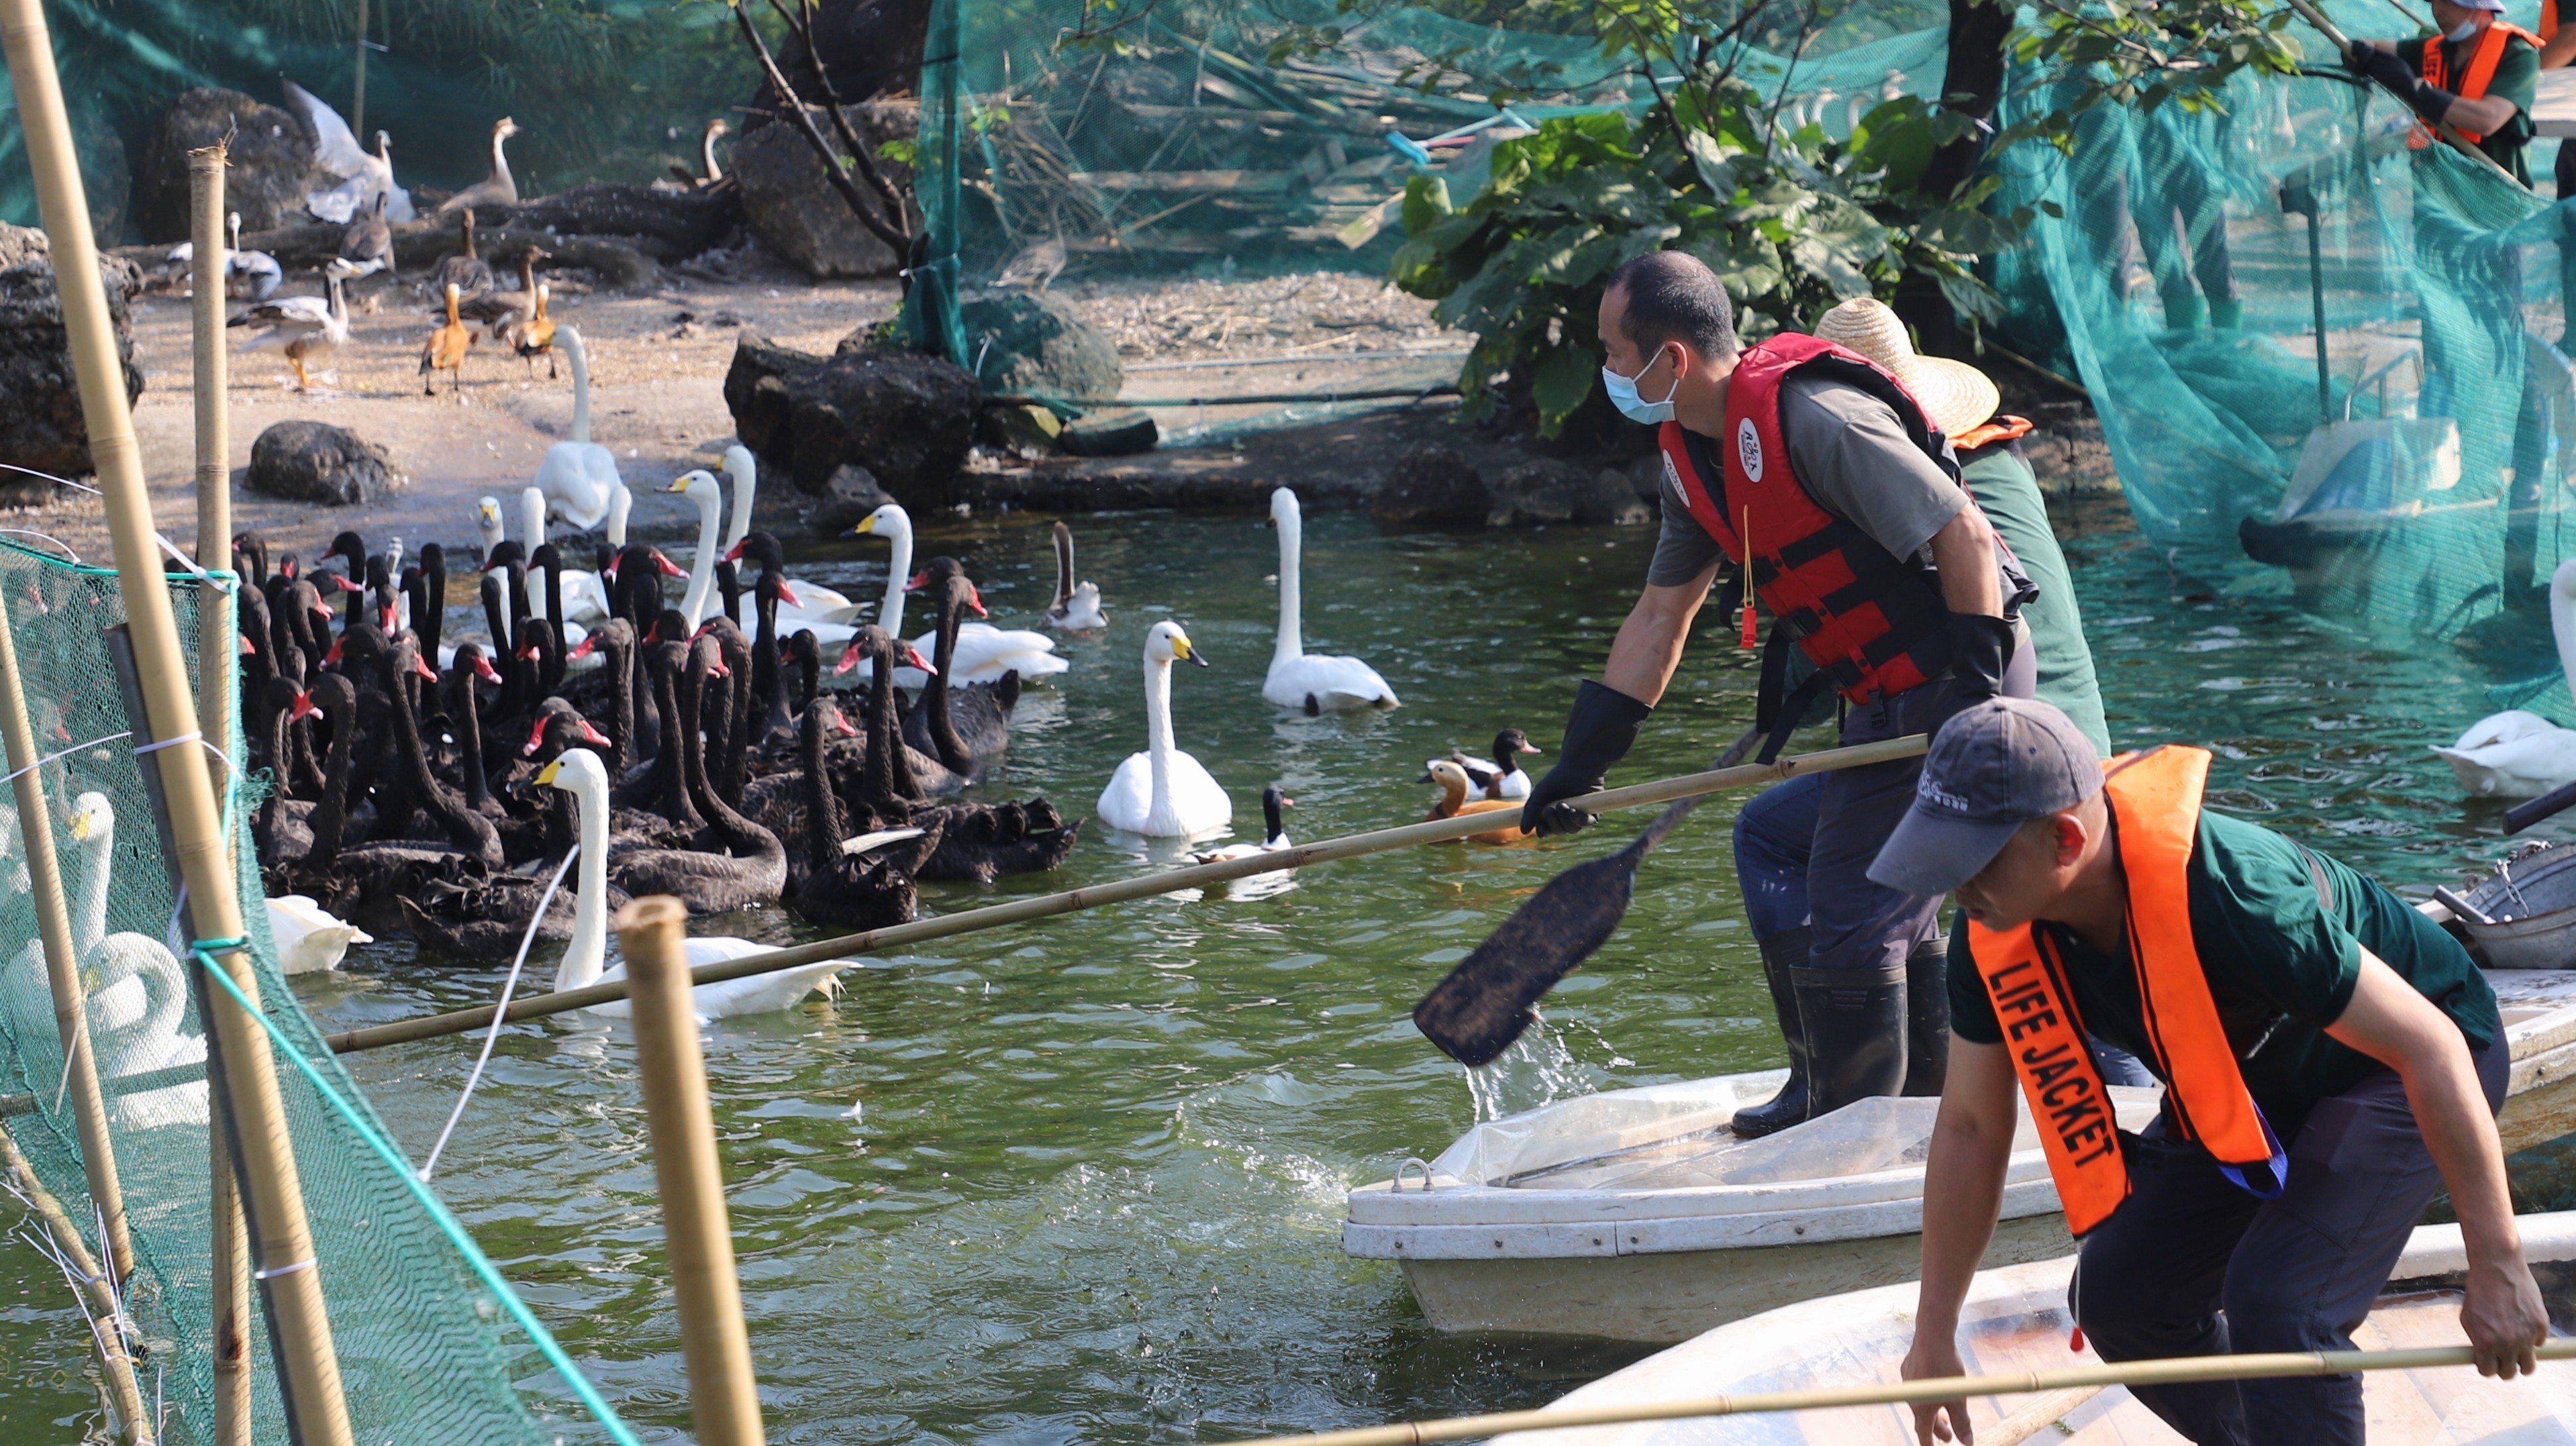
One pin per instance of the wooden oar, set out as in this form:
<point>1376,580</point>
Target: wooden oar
<point>1483,1005</point>
<point>1438,830</point>
<point>2173,1371</point>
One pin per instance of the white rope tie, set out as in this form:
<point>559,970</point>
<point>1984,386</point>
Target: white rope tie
<point>173,742</point>
<point>64,753</point>
<point>500,1012</point>
<point>281,1270</point>
<point>68,549</point>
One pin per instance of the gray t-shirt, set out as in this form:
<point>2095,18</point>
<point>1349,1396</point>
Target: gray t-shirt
<point>1852,456</point>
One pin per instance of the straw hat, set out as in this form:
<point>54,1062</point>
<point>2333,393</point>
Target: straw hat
<point>1955,395</point>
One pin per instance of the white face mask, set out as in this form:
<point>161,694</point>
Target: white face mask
<point>1623,394</point>
<point>2467,28</point>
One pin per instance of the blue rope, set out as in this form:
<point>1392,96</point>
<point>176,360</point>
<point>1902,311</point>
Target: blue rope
<point>203,951</point>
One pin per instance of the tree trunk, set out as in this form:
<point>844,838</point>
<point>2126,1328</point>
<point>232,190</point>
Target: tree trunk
<point>871,49</point>
<point>1971,86</point>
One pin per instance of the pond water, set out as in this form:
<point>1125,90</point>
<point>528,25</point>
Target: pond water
<point>1083,1179</point>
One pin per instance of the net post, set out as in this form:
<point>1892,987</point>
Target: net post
<point>312,1379</point>
<point>216,667</point>
<point>107,1338</point>
<point>62,962</point>
<point>724,1401</point>
<point>231,1293</point>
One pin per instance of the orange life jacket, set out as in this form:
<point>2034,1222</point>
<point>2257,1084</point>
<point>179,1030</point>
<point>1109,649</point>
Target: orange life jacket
<point>1873,624</point>
<point>2155,800</point>
<point>2481,70</point>
<point>1998,428</point>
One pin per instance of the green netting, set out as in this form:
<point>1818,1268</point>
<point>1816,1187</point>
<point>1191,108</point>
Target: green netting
<point>432,1345</point>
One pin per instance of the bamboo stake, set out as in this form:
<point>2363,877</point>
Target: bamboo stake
<point>358,100</point>
<point>106,1329</point>
<point>2178,1370</point>
<point>62,959</point>
<point>724,1401</point>
<point>1019,911</point>
<point>231,1271</point>
<point>292,1280</point>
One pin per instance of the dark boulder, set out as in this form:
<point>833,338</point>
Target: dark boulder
<point>790,204</point>
<point>906,417</point>
<point>1031,345</point>
<point>1432,486</point>
<point>1546,490</point>
<point>269,175</point>
<point>755,391</point>
<point>1110,434</point>
<point>317,462</point>
<point>1022,429</point>
<point>41,426</point>
<point>851,495</point>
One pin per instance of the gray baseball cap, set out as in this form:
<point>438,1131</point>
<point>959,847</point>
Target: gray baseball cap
<point>1991,769</point>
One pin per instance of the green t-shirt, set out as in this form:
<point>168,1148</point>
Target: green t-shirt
<point>2517,79</point>
<point>2279,962</point>
<point>2008,493</point>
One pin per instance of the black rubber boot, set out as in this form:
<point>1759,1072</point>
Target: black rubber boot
<point>1780,954</point>
<point>1855,1022</point>
<point>1927,1017</point>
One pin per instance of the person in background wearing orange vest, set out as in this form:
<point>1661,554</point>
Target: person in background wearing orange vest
<point>2330,1058</point>
<point>2478,76</point>
<point>1821,475</point>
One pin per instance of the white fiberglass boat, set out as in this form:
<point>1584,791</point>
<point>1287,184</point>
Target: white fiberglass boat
<point>1638,1214</point>
<point>2015,1321</point>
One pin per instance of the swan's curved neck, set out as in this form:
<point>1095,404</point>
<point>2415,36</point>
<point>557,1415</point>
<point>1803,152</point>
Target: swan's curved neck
<point>587,954</point>
<point>620,502</point>
<point>1063,570</point>
<point>745,483</point>
<point>580,376</point>
<point>500,161</point>
<point>898,572</point>
<point>532,516</point>
<point>99,848</point>
<point>1159,746</point>
<point>702,576</point>
<point>1292,641</point>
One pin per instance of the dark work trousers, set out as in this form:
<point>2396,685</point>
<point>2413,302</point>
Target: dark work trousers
<point>1860,926</point>
<point>2190,1265</point>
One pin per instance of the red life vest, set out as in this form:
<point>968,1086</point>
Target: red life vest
<point>2155,800</point>
<point>1873,624</point>
<point>2480,73</point>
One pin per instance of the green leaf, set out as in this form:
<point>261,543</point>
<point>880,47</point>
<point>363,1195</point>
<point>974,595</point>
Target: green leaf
<point>1426,203</point>
<point>1560,382</point>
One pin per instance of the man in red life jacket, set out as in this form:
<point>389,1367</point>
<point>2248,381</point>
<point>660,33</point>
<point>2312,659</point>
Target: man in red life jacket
<point>1819,471</point>
<point>2330,1059</point>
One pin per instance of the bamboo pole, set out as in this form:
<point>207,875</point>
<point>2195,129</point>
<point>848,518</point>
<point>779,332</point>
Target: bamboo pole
<point>358,97</point>
<point>116,1368</point>
<point>724,1401</point>
<point>62,959</point>
<point>1020,911</point>
<point>291,1278</point>
<point>2180,1370</point>
<point>231,1303</point>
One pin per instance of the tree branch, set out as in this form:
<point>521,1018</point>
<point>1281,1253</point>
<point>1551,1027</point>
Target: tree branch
<point>898,236</point>
<point>840,117</point>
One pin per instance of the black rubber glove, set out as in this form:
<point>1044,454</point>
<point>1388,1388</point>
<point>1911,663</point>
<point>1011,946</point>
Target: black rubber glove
<point>1980,646</point>
<point>2430,101</point>
<point>1598,733</point>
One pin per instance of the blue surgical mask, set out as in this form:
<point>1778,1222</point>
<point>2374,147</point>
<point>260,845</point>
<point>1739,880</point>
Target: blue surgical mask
<point>1623,395</point>
<point>2461,36</point>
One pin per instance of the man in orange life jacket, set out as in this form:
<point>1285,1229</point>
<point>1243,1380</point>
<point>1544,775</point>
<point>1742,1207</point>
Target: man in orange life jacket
<point>2330,1058</point>
<point>2478,76</point>
<point>1866,552</point>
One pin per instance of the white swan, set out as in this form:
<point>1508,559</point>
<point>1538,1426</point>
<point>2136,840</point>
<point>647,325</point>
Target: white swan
<point>585,594</point>
<point>578,475</point>
<point>310,939</point>
<point>2515,754</point>
<point>1076,608</point>
<point>1163,792</point>
<point>984,652</point>
<point>581,774</point>
<point>700,486</point>
<point>893,524</point>
<point>814,603</point>
<point>141,998</point>
<point>1312,682</point>
<point>488,524</point>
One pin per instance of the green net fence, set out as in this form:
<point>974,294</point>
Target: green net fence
<point>433,1346</point>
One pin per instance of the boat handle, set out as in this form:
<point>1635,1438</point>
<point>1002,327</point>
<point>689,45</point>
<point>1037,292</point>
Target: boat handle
<point>1414,1163</point>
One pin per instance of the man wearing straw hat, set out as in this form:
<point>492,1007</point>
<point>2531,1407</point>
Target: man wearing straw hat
<point>1775,831</point>
<point>1821,476</point>
<point>2330,1058</point>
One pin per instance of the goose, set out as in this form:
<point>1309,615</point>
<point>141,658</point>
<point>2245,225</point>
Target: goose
<point>984,652</point>
<point>310,939</point>
<point>1163,792</point>
<point>248,275</point>
<point>497,312</point>
<point>578,475</point>
<point>1312,682</point>
<point>446,348</point>
<point>2518,754</point>
<point>701,487</point>
<point>711,172</point>
<point>364,178</point>
<point>814,603</point>
<point>496,189</point>
<point>367,243</point>
<point>1454,801</point>
<point>585,959</point>
<point>1274,835</point>
<point>534,336</point>
<point>467,272</point>
<point>1076,608</point>
<point>1503,776</point>
<point>301,326</point>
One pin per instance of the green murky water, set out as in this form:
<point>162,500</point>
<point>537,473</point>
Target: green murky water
<point>1083,1179</point>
